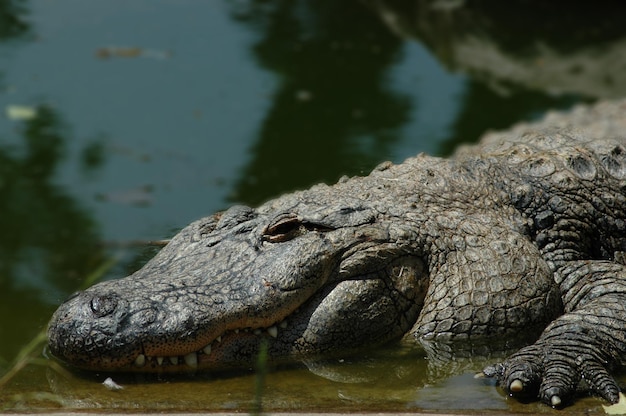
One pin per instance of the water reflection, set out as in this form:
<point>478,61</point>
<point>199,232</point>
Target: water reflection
<point>517,70</point>
<point>334,109</point>
<point>13,23</point>
<point>335,112</point>
<point>389,379</point>
<point>487,109</point>
<point>543,46</point>
<point>382,379</point>
<point>49,243</point>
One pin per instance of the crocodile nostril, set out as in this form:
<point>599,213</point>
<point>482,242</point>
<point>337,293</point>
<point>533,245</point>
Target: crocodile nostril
<point>103,305</point>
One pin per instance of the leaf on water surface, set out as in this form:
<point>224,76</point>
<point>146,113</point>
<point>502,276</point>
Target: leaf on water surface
<point>131,52</point>
<point>140,196</point>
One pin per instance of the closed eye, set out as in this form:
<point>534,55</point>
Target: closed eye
<point>283,228</point>
<point>289,226</point>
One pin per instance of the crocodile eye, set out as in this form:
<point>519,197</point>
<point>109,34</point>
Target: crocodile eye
<point>283,228</point>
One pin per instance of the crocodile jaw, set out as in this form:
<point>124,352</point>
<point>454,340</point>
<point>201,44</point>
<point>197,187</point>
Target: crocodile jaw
<point>296,296</point>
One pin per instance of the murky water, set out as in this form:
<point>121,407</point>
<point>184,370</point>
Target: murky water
<point>123,122</point>
<point>391,379</point>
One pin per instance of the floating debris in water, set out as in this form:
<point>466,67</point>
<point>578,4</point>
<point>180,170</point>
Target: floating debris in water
<point>21,112</point>
<point>131,52</point>
<point>112,385</point>
<point>140,196</point>
<point>304,95</point>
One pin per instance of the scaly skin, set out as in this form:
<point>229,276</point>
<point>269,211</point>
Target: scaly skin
<point>520,232</point>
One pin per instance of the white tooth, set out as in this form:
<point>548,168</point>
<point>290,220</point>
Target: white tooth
<point>140,361</point>
<point>246,330</point>
<point>273,331</point>
<point>173,360</point>
<point>191,360</point>
<point>283,324</point>
<point>237,331</point>
<point>219,339</point>
<point>207,349</point>
<point>257,332</point>
<point>160,360</point>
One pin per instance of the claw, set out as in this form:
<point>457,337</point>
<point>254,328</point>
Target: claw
<point>516,386</point>
<point>618,408</point>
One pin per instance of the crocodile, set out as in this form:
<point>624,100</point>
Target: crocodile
<point>524,231</point>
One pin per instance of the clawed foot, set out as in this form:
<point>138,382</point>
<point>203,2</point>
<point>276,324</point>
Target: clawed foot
<point>552,377</point>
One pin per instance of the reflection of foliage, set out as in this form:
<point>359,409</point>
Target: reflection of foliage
<point>519,27</point>
<point>93,155</point>
<point>38,214</point>
<point>333,106</point>
<point>45,145</point>
<point>12,23</point>
<point>48,243</point>
<point>473,120</point>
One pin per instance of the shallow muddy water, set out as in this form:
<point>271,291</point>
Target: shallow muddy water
<point>390,379</point>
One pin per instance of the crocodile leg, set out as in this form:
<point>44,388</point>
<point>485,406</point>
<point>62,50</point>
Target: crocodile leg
<point>586,343</point>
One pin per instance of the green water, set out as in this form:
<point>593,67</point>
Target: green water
<point>123,121</point>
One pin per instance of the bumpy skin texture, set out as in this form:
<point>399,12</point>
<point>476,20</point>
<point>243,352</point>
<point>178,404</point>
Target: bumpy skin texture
<point>526,230</point>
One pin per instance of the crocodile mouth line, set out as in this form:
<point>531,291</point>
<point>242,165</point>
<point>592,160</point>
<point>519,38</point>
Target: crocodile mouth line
<point>194,358</point>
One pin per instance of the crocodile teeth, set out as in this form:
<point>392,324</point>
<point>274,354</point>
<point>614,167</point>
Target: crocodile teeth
<point>273,331</point>
<point>191,359</point>
<point>140,361</point>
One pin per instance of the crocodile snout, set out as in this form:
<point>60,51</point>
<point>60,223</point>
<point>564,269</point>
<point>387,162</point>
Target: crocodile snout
<point>82,328</point>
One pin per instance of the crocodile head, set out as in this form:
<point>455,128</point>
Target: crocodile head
<point>309,273</point>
